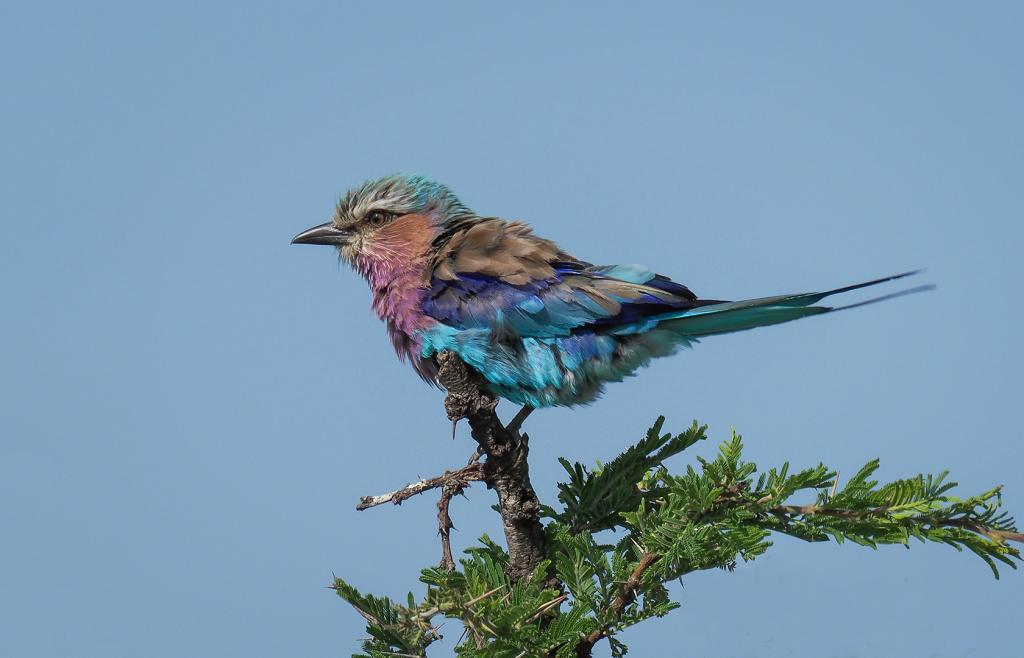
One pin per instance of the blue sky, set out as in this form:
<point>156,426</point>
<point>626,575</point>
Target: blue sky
<point>191,407</point>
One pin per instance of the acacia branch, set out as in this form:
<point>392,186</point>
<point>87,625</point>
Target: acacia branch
<point>789,511</point>
<point>991,533</point>
<point>505,469</point>
<point>460,477</point>
<point>627,594</point>
<point>444,523</point>
<point>630,589</point>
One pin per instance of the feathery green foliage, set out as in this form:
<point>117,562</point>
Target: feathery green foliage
<point>712,515</point>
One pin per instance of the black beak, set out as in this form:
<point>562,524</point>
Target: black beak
<point>324,234</point>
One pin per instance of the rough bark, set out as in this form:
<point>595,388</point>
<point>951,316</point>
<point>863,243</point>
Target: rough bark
<point>505,469</point>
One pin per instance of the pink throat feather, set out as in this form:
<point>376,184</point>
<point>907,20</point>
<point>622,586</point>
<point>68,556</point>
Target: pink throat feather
<point>397,283</point>
<point>394,263</point>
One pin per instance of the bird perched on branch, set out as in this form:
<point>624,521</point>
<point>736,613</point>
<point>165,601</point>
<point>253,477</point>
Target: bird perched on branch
<point>541,326</point>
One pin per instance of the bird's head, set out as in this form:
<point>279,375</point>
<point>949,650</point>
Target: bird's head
<point>387,219</point>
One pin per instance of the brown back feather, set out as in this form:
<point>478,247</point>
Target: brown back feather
<point>509,251</point>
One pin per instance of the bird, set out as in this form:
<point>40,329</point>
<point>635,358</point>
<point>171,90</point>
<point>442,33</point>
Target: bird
<point>542,327</point>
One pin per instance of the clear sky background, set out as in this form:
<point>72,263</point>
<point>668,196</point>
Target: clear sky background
<point>190,407</point>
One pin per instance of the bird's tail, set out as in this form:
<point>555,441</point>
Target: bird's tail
<point>727,317</point>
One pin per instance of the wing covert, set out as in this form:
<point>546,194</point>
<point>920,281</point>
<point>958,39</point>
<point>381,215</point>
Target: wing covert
<point>500,276</point>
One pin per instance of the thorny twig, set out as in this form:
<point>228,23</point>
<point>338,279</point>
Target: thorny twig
<point>444,522</point>
<point>460,478</point>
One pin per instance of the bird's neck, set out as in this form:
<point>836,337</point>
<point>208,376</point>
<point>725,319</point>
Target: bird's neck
<point>395,267</point>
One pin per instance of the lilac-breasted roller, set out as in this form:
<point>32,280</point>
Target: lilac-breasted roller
<point>541,326</point>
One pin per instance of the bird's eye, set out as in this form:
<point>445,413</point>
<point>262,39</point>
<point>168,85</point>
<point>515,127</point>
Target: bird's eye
<point>378,218</point>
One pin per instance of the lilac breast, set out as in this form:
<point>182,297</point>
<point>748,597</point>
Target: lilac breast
<point>398,292</point>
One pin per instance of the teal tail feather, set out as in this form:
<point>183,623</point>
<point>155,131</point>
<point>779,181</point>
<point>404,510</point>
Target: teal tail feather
<point>727,317</point>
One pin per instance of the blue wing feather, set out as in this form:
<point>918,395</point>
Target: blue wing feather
<point>573,301</point>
